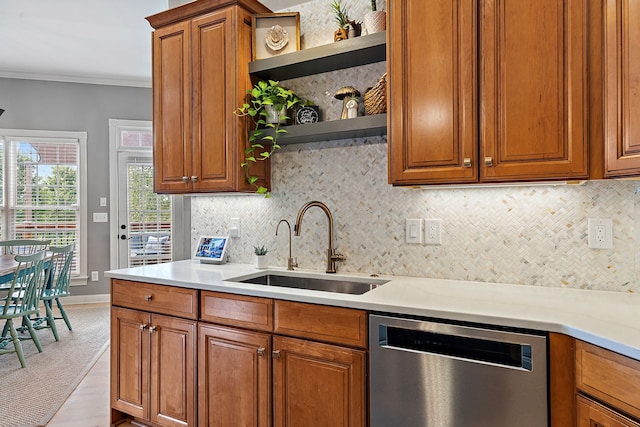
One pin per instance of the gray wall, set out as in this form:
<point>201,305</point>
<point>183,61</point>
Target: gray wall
<point>45,105</point>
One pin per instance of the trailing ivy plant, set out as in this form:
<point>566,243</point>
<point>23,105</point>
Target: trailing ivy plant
<point>263,139</point>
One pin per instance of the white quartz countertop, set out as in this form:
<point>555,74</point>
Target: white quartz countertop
<point>607,319</point>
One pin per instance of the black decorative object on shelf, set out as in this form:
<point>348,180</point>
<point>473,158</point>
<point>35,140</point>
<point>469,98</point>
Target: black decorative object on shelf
<point>308,114</point>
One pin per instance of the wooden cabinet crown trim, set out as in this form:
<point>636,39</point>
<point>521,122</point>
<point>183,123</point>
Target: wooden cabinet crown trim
<point>200,7</point>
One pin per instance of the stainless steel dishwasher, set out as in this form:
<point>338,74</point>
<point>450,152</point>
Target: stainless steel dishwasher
<point>431,374</point>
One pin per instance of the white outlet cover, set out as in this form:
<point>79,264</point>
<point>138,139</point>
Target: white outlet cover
<point>600,233</point>
<point>433,231</point>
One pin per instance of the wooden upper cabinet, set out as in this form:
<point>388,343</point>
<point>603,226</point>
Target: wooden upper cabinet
<point>533,102</point>
<point>201,55</point>
<point>520,116</point>
<point>432,129</point>
<point>621,87</point>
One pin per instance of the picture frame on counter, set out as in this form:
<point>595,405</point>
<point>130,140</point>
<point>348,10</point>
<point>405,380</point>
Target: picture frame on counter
<point>275,34</point>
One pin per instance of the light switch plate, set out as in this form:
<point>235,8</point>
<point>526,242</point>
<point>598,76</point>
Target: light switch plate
<point>413,231</point>
<point>100,217</point>
<point>234,227</point>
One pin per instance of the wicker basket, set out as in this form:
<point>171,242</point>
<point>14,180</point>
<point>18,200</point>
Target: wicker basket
<point>375,98</point>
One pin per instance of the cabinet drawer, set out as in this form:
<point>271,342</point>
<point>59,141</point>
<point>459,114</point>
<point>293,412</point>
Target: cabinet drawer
<point>592,414</point>
<point>237,310</point>
<point>174,301</point>
<point>608,376</point>
<point>330,324</point>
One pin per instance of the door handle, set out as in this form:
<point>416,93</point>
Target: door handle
<point>276,354</point>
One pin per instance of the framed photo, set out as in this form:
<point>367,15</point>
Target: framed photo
<point>275,34</point>
<point>212,249</point>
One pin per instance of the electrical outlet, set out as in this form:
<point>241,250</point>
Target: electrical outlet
<point>433,231</point>
<point>600,233</point>
<point>95,276</point>
<point>413,231</point>
<point>234,227</point>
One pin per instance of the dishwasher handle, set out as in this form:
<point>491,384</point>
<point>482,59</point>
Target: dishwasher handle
<point>479,350</point>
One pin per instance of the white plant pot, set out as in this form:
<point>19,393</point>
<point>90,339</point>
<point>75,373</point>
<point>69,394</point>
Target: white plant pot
<point>273,116</point>
<point>260,261</point>
<point>375,22</point>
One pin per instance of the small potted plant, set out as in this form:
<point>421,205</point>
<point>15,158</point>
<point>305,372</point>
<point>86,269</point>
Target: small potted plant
<point>342,19</point>
<point>376,20</point>
<point>268,107</point>
<point>260,258</point>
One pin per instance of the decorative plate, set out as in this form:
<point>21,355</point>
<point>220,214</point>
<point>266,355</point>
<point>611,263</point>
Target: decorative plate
<point>276,37</point>
<point>309,114</point>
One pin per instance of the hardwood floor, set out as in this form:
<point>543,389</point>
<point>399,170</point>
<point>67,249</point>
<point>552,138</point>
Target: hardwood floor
<point>88,405</point>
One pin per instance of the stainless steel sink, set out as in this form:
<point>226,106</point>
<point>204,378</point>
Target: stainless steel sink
<point>343,286</point>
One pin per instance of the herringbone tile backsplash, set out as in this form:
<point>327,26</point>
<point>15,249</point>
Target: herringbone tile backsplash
<point>530,235</point>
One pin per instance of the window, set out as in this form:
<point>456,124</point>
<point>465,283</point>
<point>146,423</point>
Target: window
<point>43,179</point>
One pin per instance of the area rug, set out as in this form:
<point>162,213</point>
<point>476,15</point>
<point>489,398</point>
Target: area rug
<point>31,396</point>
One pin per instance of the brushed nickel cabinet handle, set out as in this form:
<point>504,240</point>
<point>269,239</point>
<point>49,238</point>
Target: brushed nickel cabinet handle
<point>466,162</point>
<point>276,354</point>
<point>488,161</point>
<point>148,298</point>
<point>143,326</point>
<point>261,351</point>
<point>185,179</point>
<point>152,328</point>
<point>194,179</point>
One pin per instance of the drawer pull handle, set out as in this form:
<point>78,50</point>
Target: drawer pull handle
<point>488,161</point>
<point>148,297</point>
<point>185,179</point>
<point>194,178</point>
<point>466,162</point>
<point>261,351</point>
<point>143,326</point>
<point>276,354</point>
<point>152,329</point>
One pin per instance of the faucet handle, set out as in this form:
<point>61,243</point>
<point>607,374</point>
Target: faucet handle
<point>338,257</point>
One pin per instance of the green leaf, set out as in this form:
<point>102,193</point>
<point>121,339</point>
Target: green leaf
<point>253,179</point>
<point>261,190</point>
<point>265,154</point>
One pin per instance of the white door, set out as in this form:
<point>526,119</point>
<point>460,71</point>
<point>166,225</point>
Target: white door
<point>144,217</point>
<point>145,224</point>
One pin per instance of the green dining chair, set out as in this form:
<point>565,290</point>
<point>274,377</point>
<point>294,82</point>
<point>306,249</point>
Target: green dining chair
<point>25,290</point>
<point>23,246</point>
<point>57,281</point>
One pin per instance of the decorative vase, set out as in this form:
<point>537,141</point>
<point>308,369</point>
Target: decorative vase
<point>273,116</point>
<point>260,261</point>
<point>375,21</point>
<point>340,34</point>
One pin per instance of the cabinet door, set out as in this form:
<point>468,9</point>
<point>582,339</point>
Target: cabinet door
<point>622,87</point>
<point>533,101</point>
<point>173,371</point>
<point>130,362</point>
<point>234,377</point>
<point>214,94</point>
<point>592,414</point>
<point>317,384</point>
<point>172,109</point>
<point>432,85</point>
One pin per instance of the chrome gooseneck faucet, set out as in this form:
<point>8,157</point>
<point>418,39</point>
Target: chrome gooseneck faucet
<point>332,256</point>
<point>290,261</point>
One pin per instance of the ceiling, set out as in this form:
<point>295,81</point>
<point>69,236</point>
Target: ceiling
<point>84,41</point>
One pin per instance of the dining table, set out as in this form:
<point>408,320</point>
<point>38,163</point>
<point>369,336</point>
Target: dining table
<point>8,266</point>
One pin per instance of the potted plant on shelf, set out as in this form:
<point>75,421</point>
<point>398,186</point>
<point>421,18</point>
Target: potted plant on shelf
<point>268,108</point>
<point>376,20</point>
<point>342,19</point>
<point>260,258</point>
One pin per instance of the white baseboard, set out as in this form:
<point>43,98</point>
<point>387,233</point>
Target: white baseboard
<point>86,299</point>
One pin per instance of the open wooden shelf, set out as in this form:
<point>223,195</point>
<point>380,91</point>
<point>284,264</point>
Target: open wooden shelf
<point>358,127</point>
<point>330,57</point>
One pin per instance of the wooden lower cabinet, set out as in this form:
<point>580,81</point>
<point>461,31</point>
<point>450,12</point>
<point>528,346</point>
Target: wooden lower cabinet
<point>317,384</point>
<point>592,414</point>
<point>153,373</point>
<point>234,377</point>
